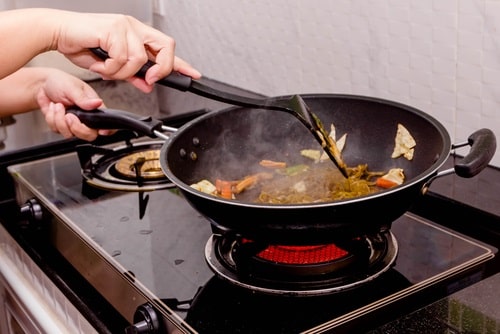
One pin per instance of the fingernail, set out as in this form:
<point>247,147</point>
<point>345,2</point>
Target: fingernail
<point>197,73</point>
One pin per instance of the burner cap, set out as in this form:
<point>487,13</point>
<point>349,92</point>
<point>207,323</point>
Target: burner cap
<point>147,161</point>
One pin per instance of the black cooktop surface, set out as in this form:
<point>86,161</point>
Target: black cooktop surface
<point>164,252</point>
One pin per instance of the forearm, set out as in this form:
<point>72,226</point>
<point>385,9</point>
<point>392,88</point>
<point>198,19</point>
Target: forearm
<point>25,33</point>
<point>18,90</point>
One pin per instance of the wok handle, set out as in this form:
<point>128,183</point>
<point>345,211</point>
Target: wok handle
<point>483,147</point>
<point>117,119</point>
<point>173,80</point>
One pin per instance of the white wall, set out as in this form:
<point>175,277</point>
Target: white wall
<point>6,4</point>
<point>141,9</point>
<point>441,56</point>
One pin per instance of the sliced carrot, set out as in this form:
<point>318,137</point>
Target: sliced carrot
<point>245,183</point>
<point>385,183</point>
<point>250,180</point>
<point>224,188</point>
<point>272,164</point>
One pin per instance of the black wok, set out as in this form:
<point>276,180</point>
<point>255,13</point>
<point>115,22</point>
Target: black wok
<point>227,144</point>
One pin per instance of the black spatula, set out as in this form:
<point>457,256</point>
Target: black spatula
<point>294,105</point>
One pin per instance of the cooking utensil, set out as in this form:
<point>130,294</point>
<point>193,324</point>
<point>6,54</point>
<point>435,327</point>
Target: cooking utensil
<point>227,143</point>
<point>294,105</point>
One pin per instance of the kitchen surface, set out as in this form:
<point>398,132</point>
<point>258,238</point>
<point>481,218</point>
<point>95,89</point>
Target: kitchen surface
<point>127,259</point>
<point>472,310</point>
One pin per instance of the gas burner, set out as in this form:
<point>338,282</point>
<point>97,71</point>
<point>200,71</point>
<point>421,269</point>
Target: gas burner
<point>130,167</point>
<point>302,270</point>
<point>147,162</point>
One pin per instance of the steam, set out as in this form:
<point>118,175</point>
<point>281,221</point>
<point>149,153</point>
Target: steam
<point>244,137</point>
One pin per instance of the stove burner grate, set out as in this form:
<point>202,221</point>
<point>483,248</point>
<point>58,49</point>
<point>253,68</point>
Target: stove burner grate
<point>131,167</point>
<point>262,268</point>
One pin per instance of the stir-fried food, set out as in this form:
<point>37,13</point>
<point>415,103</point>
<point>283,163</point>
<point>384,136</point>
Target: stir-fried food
<point>330,145</point>
<point>404,143</point>
<point>316,181</point>
<point>393,178</point>
<point>299,184</point>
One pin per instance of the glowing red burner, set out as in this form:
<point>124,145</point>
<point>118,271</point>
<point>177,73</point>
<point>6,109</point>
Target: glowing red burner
<point>301,269</point>
<point>302,254</point>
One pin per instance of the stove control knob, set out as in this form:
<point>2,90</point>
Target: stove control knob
<point>145,321</point>
<point>31,210</point>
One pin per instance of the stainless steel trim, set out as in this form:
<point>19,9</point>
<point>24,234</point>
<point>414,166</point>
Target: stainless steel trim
<point>118,287</point>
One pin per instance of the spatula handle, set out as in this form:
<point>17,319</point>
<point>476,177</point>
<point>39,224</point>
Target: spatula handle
<point>173,80</point>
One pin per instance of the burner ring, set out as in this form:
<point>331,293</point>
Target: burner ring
<point>100,170</point>
<point>225,268</point>
<point>148,162</point>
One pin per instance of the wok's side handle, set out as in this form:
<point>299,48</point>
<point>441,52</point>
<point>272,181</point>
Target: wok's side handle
<point>118,119</point>
<point>483,147</point>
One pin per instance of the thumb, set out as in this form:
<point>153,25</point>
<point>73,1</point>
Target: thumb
<point>89,103</point>
<point>85,97</point>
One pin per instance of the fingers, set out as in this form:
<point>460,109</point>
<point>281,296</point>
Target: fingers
<point>68,125</point>
<point>184,67</point>
<point>81,94</point>
<point>162,54</point>
<point>59,90</point>
<point>154,74</point>
<point>126,57</point>
<point>130,48</point>
<point>129,44</point>
<point>141,84</point>
<point>78,129</point>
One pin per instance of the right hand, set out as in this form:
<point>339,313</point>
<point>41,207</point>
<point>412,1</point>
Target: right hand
<point>129,43</point>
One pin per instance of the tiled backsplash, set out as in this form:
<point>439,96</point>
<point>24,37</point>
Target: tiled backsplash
<point>440,56</point>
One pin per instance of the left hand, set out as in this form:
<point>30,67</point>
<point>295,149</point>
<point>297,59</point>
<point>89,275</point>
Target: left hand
<point>61,90</point>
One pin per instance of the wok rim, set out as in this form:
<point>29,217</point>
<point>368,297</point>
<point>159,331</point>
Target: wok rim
<point>420,178</point>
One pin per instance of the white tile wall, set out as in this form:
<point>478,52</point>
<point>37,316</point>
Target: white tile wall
<point>441,56</point>
<point>142,10</point>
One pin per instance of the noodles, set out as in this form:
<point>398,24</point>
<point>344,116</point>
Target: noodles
<point>299,184</point>
<point>319,183</point>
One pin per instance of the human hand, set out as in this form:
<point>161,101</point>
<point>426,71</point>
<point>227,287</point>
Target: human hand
<point>60,90</point>
<point>128,42</point>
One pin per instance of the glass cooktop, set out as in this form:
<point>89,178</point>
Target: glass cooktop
<point>160,258</point>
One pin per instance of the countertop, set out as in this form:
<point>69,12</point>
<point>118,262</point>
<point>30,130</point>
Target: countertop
<point>475,309</point>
